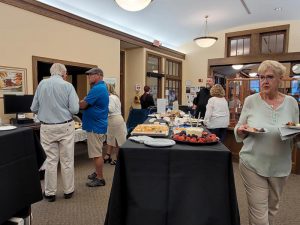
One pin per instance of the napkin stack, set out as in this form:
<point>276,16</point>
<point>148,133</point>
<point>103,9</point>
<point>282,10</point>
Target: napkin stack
<point>287,133</point>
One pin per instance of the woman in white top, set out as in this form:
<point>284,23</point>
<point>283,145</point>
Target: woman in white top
<point>116,131</point>
<point>217,113</point>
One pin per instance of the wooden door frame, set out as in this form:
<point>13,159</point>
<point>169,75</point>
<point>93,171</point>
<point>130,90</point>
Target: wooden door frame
<point>122,80</point>
<point>36,59</point>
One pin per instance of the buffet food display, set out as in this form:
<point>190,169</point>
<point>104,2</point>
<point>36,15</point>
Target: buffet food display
<point>151,130</point>
<point>190,134</point>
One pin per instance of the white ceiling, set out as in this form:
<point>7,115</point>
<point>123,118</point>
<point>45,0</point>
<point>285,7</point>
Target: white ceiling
<point>176,22</point>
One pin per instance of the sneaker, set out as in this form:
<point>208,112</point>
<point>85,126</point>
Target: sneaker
<point>114,162</point>
<point>50,198</point>
<point>96,182</point>
<point>68,196</point>
<point>92,176</point>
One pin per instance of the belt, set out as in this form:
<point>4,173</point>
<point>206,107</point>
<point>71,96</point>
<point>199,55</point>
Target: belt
<point>68,121</point>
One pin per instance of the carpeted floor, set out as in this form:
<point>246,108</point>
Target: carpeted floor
<point>88,206</point>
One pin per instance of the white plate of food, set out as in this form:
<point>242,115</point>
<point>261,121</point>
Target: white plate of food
<point>159,142</point>
<point>292,125</point>
<point>8,127</point>
<point>257,130</point>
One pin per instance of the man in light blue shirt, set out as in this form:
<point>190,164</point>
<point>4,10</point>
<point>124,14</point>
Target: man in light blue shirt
<point>55,101</point>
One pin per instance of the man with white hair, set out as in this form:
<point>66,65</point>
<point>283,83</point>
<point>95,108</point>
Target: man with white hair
<point>55,101</point>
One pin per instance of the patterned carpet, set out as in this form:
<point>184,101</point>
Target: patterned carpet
<point>88,206</point>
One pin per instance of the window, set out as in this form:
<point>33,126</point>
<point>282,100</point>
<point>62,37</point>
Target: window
<point>254,86</point>
<point>173,81</point>
<point>153,79</point>
<point>239,46</point>
<point>153,63</point>
<point>268,40</point>
<point>272,42</point>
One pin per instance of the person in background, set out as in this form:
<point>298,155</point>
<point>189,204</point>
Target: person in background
<point>235,102</point>
<point>94,121</point>
<point>146,99</point>
<point>200,102</point>
<point>116,131</point>
<point>217,113</point>
<point>265,159</point>
<point>55,101</point>
<point>136,104</point>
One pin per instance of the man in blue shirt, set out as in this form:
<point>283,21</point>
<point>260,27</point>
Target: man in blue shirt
<point>94,121</point>
<point>55,101</point>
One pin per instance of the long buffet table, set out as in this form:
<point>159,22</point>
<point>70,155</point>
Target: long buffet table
<point>177,185</point>
<point>20,157</point>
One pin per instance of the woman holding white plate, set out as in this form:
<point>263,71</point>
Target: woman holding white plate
<point>265,160</point>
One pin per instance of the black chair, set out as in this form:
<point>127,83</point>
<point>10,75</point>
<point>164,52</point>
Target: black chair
<point>186,109</point>
<point>135,117</point>
<point>152,109</point>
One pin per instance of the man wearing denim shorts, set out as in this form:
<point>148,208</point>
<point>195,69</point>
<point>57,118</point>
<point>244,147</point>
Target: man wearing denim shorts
<point>94,121</point>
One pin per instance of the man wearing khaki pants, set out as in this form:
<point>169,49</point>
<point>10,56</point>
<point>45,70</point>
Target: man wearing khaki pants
<point>55,101</point>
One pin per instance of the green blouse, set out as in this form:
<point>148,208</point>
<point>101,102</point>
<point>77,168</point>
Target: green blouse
<point>265,153</point>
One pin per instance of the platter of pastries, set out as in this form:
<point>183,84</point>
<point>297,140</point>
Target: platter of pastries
<point>155,130</point>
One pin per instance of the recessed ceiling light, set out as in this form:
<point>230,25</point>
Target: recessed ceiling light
<point>278,9</point>
<point>252,74</point>
<point>237,67</point>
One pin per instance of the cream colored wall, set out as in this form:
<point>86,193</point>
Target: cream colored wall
<point>134,74</point>
<point>24,34</point>
<point>195,65</point>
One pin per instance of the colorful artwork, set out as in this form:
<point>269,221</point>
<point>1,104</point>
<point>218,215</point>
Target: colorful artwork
<point>12,80</point>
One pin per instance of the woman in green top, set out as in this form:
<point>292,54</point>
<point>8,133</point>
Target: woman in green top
<point>265,160</point>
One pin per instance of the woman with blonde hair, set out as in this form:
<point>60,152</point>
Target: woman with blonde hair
<point>116,131</point>
<point>265,159</point>
<point>217,113</point>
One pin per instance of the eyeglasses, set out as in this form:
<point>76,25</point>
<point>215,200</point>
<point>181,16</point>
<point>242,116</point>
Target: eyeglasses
<point>266,77</point>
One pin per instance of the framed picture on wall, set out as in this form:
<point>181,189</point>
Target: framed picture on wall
<point>12,81</point>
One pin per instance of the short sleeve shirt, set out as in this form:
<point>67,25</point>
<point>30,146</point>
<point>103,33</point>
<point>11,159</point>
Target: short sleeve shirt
<point>95,116</point>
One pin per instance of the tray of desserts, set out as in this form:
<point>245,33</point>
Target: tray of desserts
<point>152,130</point>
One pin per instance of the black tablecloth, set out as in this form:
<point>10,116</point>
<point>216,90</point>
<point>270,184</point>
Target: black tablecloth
<point>20,157</point>
<point>178,185</point>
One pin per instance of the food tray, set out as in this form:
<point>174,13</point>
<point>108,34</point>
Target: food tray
<point>153,130</point>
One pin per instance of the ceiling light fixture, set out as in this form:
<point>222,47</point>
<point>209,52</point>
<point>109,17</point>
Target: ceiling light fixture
<point>278,9</point>
<point>237,67</point>
<point>133,5</point>
<point>205,41</point>
<point>253,74</point>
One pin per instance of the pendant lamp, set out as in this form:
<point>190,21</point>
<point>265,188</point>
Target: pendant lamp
<point>205,41</point>
<point>133,5</point>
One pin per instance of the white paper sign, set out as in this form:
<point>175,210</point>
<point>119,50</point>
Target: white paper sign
<point>161,105</point>
<point>175,105</point>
